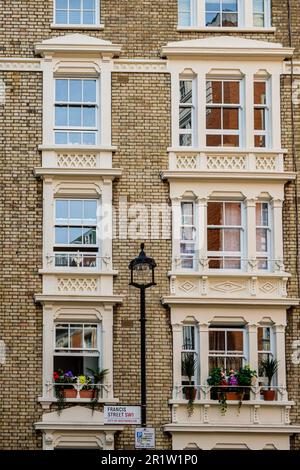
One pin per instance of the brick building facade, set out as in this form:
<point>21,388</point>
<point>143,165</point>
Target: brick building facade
<point>140,53</point>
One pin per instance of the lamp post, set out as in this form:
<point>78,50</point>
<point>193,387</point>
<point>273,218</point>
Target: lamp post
<point>142,277</point>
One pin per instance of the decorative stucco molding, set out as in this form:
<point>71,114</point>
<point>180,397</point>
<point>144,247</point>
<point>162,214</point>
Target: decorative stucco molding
<point>20,65</point>
<point>140,65</point>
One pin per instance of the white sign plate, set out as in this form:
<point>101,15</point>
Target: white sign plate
<point>145,438</point>
<point>122,415</point>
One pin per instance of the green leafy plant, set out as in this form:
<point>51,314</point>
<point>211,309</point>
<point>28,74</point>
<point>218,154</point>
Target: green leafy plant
<point>269,368</point>
<point>189,366</point>
<point>218,377</point>
<point>62,380</point>
<point>98,376</point>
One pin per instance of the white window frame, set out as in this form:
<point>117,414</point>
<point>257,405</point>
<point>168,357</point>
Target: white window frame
<point>80,253</point>
<point>245,17</point>
<point>81,24</point>
<point>240,15</point>
<point>271,352</point>
<point>195,351</point>
<point>267,107</point>
<point>184,256</point>
<point>190,106</point>
<point>222,255</point>
<point>267,254</point>
<point>241,106</point>
<point>244,355</point>
<point>267,14</point>
<point>76,129</point>
<point>192,12</point>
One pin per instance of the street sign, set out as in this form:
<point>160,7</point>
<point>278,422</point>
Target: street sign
<point>122,415</point>
<point>145,438</point>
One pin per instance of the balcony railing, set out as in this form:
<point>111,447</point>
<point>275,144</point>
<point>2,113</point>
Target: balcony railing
<point>78,260</point>
<point>77,390</point>
<point>225,160</point>
<point>221,263</point>
<point>215,392</point>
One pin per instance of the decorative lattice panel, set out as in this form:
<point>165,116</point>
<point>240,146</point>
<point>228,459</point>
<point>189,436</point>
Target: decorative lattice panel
<point>226,162</point>
<point>76,285</point>
<point>186,162</point>
<point>265,162</point>
<point>76,160</point>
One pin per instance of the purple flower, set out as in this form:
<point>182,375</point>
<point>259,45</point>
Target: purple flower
<point>233,380</point>
<point>69,375</point>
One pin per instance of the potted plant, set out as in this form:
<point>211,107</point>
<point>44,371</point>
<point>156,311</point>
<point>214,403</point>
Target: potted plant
<point>269,368</point>
<point>218,377</point>
<point>189,365</point>
<point>87,390</point>
<point>97,378</point>
<point>246,377</point>
<point>63,386</point>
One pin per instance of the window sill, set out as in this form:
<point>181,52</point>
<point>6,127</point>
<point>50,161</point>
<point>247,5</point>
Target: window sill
<point>99,26</point>
<point>47,402</point>
<point>183,29</point>
<point>81,148</point>
<point>226,150</point>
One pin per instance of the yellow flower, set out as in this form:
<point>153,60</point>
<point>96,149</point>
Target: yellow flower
<point>82,379</point>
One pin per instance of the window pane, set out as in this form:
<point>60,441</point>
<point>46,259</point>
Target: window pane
<point>74,138</point>
<point>258,6</point>
<point>61,115</point>
<point>261,239</point>
<point>232,263</point>
<point>263,339</point>
<point>185,140</point>
<point>259,92</point>
<point>187,248</point>
<point>213,118</point>
<point>260,141</point>
<point>62,17</point>
<point>89,138</point>
<point>235,341</point>
<point>61,210</point>
<point>212,19</point>
<point>231,92</point>
<point>74,17</point>
<point>187,233</point>
<point>187,209</point>
<point>215,213</point>
<point>90,210</point>
<point>259,119</point>
<point>89,4</point>
<point>76,90</point>
<point>89,117</point>
<point>90,336</point>
<point>74,4</point>
<point>229,19</point>
<point>61,235</point>
<point>212,5</point>
<point>217,341</point>
<point>232,240</point>
<point>231,118</point>
<point>88,17</point>
<point>258,20</point>
<point>76,336</point>
<point>213,92</point>
<point>76,210</point>
<point>89,236</point>
<point>188,337</point>
<point>230,5</point>
<point>262,214</point>
<point>185,118</point>
<point>61,337</point>
<point>185,91</point>
<point>89,91</point>
<point>214,240</point>
<point>233,215</point>
<point>75,235</point>
<point>62,4</point>
<point>61,138</point>
<point>184,19</point>
<point>231,140</point>
<point>216,362</point>
<point>234,363</point>
<point>213,141</point>
<point>75,116</point>
<point>61,90</point>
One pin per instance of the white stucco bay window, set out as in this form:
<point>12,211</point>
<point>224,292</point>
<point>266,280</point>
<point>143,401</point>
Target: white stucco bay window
<point>213,15</point>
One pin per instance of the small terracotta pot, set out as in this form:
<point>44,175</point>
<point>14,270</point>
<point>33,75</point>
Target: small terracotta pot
<point>87,394</point>
<point>190,393</point>
<point>70,393</point>
<point>233,396</point>
<point>269,395</point>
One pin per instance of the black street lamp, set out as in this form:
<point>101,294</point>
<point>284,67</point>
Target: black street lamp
<point>142,277</point>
